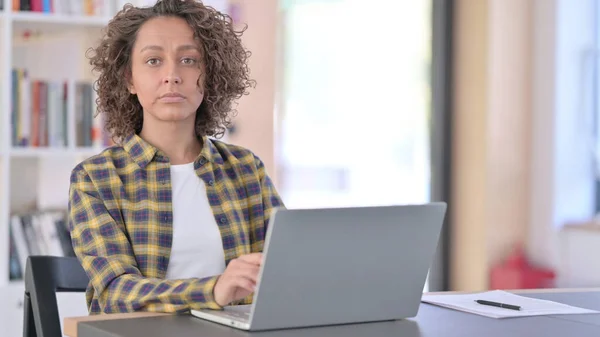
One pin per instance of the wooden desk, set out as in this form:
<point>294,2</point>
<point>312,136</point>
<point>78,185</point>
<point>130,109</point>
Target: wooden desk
<point>70,323</point>
<point>431,321</point>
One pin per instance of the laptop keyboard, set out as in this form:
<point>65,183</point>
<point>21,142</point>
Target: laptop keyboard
<point>237,315</point>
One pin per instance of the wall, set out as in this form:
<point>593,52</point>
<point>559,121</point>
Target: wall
<point>491,136</point>
<point>492,145</point>
<point>509,126</point>
<point>517,176</point>
<point>468,259</point>
<point>255,122</point>
<point>563,187</point>
<point>523,166</point>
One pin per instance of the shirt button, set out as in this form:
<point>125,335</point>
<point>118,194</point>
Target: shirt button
<point>223,220</point>
<point>202,161</point>
<point>211,182</point>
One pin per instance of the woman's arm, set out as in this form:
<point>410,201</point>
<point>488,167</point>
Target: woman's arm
<point>269,199</point>
<point>105,253</point>
<point>262,203</point>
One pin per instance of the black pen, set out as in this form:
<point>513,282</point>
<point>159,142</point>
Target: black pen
<point>499,305</point>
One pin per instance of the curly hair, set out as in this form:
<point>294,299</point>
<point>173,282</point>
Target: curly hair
<point>225,63</point>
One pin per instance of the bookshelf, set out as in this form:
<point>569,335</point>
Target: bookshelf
<point>42,69</point>
<point>42,126</point>
<point>44,77</point>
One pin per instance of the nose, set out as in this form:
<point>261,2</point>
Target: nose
<point>172,79</point>
<point>171,75</point>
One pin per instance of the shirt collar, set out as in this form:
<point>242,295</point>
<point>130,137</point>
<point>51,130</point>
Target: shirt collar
<point>143,152</point>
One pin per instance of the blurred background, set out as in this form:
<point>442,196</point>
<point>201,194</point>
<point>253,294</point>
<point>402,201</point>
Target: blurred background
<point>489,105</point>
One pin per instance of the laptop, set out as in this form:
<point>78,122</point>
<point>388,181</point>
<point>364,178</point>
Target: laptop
<point>339,266</point>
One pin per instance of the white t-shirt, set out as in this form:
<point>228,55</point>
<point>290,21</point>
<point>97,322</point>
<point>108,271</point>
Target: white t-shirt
<point>197,249</point>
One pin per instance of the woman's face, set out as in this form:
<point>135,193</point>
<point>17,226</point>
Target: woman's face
<point>166,67</point>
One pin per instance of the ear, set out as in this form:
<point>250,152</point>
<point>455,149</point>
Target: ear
<point>130,85</point>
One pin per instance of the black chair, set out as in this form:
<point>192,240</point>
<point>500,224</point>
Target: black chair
<point>44,277</point>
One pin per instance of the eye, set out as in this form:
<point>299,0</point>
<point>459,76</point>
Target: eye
<point>153,61</point>
<point>188,61</point>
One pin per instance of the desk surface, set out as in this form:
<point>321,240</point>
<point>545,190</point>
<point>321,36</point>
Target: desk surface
<point>432,321</point>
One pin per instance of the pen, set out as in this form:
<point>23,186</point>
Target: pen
<point>499,305</point>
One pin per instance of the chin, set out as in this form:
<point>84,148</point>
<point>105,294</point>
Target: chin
<point>174,115</point>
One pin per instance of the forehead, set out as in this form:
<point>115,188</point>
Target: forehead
<point>165,31</point>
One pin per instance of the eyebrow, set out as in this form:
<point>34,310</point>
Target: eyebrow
<point>184,47</point>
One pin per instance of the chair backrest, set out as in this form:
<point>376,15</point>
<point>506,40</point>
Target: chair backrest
<point>44,277</point>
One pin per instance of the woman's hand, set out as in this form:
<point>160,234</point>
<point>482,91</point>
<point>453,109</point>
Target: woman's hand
<point>238,280</point>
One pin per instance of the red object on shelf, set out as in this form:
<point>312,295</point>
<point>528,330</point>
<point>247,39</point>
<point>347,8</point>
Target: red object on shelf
<point>517,273</point>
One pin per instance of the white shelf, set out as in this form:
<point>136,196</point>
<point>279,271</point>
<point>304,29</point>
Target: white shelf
<point>51,23</point>
<point>51,47</point>
<point>35,152</point>
<point>50,18</point>
<point>5,59</point>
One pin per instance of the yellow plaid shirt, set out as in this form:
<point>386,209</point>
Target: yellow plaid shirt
<point>120,219</point>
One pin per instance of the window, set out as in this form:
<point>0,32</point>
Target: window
<point>356,101</point>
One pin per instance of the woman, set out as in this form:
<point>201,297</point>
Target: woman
<point>169,220</point>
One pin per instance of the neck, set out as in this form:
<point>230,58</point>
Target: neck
<point>177,140</point>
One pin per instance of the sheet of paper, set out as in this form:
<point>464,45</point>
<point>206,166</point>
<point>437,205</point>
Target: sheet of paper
<point>529,306</point>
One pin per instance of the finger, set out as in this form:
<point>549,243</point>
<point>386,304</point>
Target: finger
<point>244,283</point>
<point>242,263</point>
<point>249,271</point>
<point>253,258</point>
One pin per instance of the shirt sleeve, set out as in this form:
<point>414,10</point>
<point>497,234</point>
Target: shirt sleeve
<point>270,199</point>
<point>261,213</point>
<point>102,246</point>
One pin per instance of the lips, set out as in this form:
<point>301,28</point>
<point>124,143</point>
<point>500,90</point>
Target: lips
<point>171,97</point>
<point>172,94</point>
